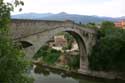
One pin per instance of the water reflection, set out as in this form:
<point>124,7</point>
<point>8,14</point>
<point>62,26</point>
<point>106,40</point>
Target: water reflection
<point>47,75</point>
<point>39,70</point>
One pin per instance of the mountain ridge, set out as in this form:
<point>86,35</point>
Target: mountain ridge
<point>65,16</point>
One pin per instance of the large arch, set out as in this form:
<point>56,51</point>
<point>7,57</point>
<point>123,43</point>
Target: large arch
<point>40,39</point>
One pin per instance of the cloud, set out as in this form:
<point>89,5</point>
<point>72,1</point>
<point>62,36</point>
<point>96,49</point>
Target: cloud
<point>112,8</point>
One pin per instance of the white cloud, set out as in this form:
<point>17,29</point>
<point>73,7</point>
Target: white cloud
<point>112,8</point>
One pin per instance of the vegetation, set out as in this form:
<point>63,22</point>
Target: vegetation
<point>48,55</point>
<point>109,52</point>
<point>90,25</point>
<point>69,39</point>
<point>13,66</point>
<point>74,62</point>
<point>51,56</point>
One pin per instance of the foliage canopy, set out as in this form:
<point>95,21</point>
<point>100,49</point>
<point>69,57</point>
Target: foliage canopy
<point>13,66</point>
<point>109,52</point>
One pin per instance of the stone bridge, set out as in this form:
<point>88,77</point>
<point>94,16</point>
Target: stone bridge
<point>36,33</point>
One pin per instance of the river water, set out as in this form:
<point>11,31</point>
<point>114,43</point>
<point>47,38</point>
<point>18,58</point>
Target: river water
<point>50,75</point>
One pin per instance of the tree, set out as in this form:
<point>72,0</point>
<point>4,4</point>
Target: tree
<point>106,28</point>
<point>108,54</point>
<point>74,61</point>
<point>13,66</point>
<point>107,24</point>
<point>69,39</point>
<point>47,54</point>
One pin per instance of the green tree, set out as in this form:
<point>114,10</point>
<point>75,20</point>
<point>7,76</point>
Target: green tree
<point>107,24</point>
<point>70,39</point>
<point>47,54</point>
<point>108,54</point>
<point>13,66</point>
<point>106,28</point>
<point>74,61</point>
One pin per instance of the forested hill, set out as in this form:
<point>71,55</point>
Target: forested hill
<point>65,16</point>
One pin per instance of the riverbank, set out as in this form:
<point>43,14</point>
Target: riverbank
<point>75,74</point>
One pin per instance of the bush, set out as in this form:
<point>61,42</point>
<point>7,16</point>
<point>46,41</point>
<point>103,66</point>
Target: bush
<point>48,55</point>
<point>74,61</point>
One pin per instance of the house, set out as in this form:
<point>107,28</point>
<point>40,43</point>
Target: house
<point>60,41</point>
<point>120,24</point>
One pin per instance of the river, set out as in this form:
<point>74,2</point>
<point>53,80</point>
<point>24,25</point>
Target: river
<point>50,75</point>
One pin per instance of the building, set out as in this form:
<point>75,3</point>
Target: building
<point>120,24</point>
<point>60,41</point>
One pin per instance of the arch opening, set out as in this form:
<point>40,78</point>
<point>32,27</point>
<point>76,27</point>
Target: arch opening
<point>52,47</point>
<point>25,44</point>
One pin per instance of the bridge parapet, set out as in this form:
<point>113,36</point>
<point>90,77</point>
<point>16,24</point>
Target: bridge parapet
<point>21,28</point>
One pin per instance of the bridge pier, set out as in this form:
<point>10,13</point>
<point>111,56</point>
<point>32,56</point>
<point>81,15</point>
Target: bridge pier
<point>83,59</point>
<point>29,52</point>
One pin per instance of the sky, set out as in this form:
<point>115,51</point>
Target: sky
<point>109,8</point>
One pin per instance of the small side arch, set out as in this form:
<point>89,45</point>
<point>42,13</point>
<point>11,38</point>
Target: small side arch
<point>25,44</point>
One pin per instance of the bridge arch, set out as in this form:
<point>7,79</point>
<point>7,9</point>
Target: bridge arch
<point>35,33</point>
<point>40,39</point>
